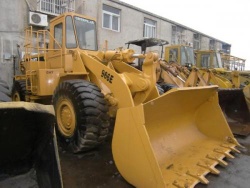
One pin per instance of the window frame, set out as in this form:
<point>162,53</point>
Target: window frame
<point>55,7</point>
<point>149,30</point>
<point>95,46</point>
<point>69,34</point>
<point>111,15</point>
<point>56,41</point>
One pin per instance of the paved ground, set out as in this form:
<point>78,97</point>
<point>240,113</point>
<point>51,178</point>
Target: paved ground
<point>96,169</point>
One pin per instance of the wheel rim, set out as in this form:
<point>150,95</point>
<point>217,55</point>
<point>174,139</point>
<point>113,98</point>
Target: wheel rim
<point>66,118</point>
<point>16,97</point>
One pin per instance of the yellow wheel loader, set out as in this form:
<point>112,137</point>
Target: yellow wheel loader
<point>208,71</point>
<point>231,94</point>
<point>158,141</point>
<point>230,62</point>
<point>225,65</point>
<point>237,66</point>
<point>29,155</point>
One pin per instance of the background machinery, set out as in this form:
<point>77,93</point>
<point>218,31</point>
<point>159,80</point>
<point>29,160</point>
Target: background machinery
<point>87,86</point>
<point>224,65</point>
<point>207,69</point>
<point>178,69</point>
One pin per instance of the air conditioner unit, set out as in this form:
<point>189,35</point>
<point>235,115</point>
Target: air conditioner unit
<point>38,19</point>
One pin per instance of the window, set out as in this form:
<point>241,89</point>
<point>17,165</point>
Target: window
<point>56,7</point>
<point>174,35</point>
<point>178,35</point>
<point>196,41</point>
<point>212,44</point>
<point>149,30</point>
<point>58,30</point>
<point>86,33</point>
<point>217,60</point>
<point>205,60</point>
<point>111,18</point>
<point>173,55</point>
<point>70,35</point>
<point>187,56</point>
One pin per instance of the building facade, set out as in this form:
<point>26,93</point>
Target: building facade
<point>117,23</point>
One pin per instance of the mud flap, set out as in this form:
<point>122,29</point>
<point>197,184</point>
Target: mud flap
<point>235,109</point>
<point>28,141</point>
<point>174,140</point>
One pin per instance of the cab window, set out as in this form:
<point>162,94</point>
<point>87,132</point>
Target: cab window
<point>58,35</point>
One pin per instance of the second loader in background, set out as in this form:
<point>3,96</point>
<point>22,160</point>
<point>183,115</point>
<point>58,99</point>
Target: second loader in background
<point>174,140</point>
<point>205,72</point>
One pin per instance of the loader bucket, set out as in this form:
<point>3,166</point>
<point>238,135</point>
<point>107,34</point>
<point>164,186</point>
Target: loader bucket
<point>29,156</point>
<point>173,140</point>
<point>235,109</point>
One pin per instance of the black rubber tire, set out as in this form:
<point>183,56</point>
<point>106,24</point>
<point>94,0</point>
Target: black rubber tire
<point>4,84</point>
<point>86,103</point>
<point>166,87</point>
<point>4,92</point>
<point>160,89</point>
<point>18,90</point>
<point>4,97</point>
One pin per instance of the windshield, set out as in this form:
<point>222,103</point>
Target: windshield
<point>205,60</point>
<point>86,33</point>
<point>187,56</point>
<point>217,60</point>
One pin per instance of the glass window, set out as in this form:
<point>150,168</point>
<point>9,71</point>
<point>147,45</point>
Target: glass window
<point>58,35</point>
<point>205,60</point>
<point>55,7</point>
<point>173,55</point>
<point>217,60</point>
<point>196,41</point>
<point>86,33</point>
<point>111,18</point>
<point>187,56</point>
<point>190,55</point>
<point>184,60</point>
<point>149,30</point>
<point>70,35</point>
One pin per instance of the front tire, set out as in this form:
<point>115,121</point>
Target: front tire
<point>81,112</point>
<point>19,90</point>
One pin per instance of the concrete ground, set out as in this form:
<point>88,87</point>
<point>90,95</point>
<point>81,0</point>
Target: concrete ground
<point>96,169</point>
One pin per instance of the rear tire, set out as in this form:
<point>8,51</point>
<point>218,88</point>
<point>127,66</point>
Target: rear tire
<point>19,90</point>
<point>4,92</point>
<point>166,87</point>
<point>160,90</point>
<point>81,112</point>
<point>4,84</point>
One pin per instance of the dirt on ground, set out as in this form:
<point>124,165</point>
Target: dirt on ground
<point>92,169</point>
<point>96,169</point>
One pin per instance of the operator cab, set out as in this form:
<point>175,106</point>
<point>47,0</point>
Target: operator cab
<point>145,43</point>
<point>182,54</point>
<point>210,59</point>
<point>80,32</point>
